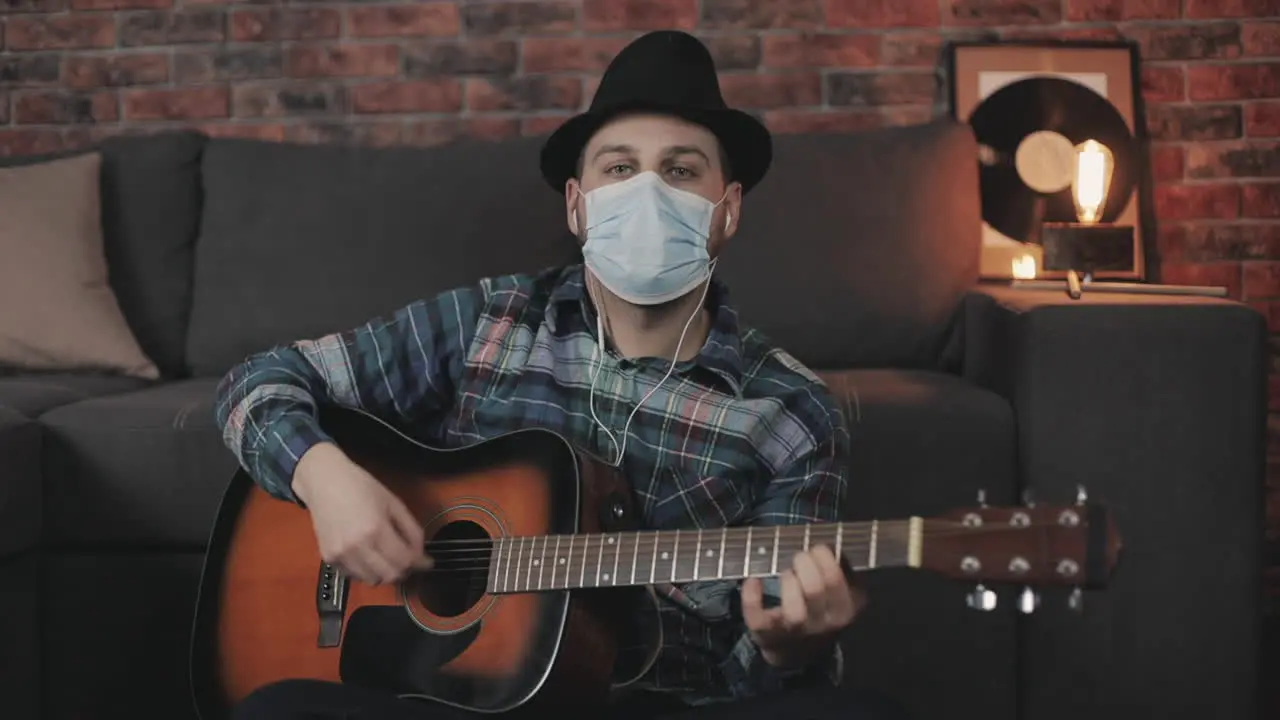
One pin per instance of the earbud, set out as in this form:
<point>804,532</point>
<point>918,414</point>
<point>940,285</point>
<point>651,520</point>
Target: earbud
<point>728,218</point>
<point>575,220</point>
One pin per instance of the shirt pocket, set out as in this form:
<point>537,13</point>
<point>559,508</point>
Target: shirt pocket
<point>705,501</point>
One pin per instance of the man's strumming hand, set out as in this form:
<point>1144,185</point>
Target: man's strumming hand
<point>818,601</point>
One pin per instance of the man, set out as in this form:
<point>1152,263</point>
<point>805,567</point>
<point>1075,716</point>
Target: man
<point>635,355</point>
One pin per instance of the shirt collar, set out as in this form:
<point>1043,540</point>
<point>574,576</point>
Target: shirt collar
<point>722,352</point>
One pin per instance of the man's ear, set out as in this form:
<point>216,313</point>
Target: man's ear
<point>732,209</point>
<point>571,214</point>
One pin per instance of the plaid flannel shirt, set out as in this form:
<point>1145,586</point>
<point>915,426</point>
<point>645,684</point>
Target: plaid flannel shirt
<point>741,434</point>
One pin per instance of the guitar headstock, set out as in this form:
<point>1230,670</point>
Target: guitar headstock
<point>1032,545</point>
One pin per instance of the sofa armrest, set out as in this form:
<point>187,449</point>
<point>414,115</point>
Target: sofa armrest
<point>1156,405</point>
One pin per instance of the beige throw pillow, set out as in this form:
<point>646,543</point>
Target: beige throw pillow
<point>57,311</point>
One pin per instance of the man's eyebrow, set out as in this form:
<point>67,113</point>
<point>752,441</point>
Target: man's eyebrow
<point>675,150</point>
<point>608,149</point>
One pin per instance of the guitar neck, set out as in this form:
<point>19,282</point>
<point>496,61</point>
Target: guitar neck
<point>649,557</point>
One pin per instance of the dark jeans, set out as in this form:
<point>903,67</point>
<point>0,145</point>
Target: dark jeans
<point>313,700</point>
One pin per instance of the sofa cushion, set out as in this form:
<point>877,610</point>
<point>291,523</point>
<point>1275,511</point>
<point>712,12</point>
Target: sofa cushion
<point>32,394</point>
<point>60,311</point>
<point>925,443</point>
<point>144,467</point>
<point>301,240</point>
<point>19,482</point>
<point>150,186</point>
<point>870,239</point>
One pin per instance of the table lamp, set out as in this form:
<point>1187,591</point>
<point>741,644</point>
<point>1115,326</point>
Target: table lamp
<point>1090,244</point>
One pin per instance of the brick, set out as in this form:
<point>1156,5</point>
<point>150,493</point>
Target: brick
<point>177,104</point>
<point>616,15</point>
<point>293,98</point>
<point>60,32</point>
<point>1234,82</point>
<point>343,60</point>
<point>734,52</point>
<point>784,122</point>
<point>86,71</point>
<point>1261,279</point>
<point>520,17</point>
<point>1206,243</point>
<point>1260,38</point>
<point>922,49</point>
<point>18,70</point>
<point>1261,200</point>
<point>1202,9</point>
<point>1118,10</point>
<point>1002,12</point>
<point>774,90</point>
<point>432,132</point>
<point>121,4</point>
<point>1196,202</point>
<point>466,57</point>
<point>1163,84</point>
<point>1234,160</point>
<point>761,14</point>
<point>531,92</point>
<point>1168,163</point>
<point>162,27</point>
<point>366,133</point>
<point>821,50</point>
<point>864,14</point>
<point>274,132</point>
<point>62,107</point>
<point>32,6</point>
<point>1188,42</point>
<point>541,124</point>
<point>1195,122</point>
<point>1262,119</point>
<point>29,142</point>
<point>1054,33</point>
<point>872,89</point>
<point>485,128</point>
<point>543,55</point>
<point>432,19</point>
<point>228,64</point>
<point>273,24</point>
<point>439,95</point>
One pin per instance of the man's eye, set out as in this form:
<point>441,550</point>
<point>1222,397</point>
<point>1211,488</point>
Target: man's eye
<point>617,169</point>
<point>682,172</point>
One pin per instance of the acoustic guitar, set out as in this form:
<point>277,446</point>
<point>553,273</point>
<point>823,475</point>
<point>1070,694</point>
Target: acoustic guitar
<point>540,564</point>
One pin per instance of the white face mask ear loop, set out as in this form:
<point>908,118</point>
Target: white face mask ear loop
<point>597,362</point>
<point>670,369</point>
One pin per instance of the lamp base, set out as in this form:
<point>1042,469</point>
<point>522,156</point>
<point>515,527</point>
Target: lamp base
<point>1088,248</point>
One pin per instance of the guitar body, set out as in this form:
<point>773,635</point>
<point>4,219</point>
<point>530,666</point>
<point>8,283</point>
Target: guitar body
<point>270,609</point>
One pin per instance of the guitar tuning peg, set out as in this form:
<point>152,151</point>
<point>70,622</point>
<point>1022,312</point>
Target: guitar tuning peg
<point>1028,498</point>
<point>1082,495</point>
<point>1075,600</point>
<point>982,498</point>
<point>1028,601</point>
<point>981,599</point>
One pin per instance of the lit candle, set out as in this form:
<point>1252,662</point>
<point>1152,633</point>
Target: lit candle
<point>1024,267</point>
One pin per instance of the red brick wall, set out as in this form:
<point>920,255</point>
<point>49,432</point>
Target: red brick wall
<point>423,72</point>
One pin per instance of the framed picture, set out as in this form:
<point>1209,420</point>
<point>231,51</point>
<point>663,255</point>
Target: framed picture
<point>1062,157</point>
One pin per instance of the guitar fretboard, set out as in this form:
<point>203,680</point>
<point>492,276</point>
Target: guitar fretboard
<point>648,557</point>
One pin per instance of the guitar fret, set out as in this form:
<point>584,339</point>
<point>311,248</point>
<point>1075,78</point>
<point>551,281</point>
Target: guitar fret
<point>653,561</point>
<point>541,562</point>
<point>599,561</point>
<point>776,534</point>
<point>839,538</point>
<point>746,555</point>
<point>724,535</point>
<point>635,556</point>
<point>872,546</point>
<point>806,538</point>
<point>697,556</point>
<point>617,553</point>
<point>582,571</point>
<point>675,556</point>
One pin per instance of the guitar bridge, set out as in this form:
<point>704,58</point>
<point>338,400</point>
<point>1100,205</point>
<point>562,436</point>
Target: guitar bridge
<point>331,604</point>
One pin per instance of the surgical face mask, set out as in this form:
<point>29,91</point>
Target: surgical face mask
<point>647,241</point>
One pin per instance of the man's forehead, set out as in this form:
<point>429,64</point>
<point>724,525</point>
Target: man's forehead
<point>651,133</point>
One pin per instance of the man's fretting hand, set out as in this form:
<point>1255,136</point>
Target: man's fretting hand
<point>817,603</point>
<point>360,525</point>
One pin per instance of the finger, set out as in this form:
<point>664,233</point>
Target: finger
<point>411,530</point>
<point>381,568</point>
<point>840,599</point>
<point>357,568</point>
<point>812,585</point>
<point>391,546</point>
<point>753,613</point>
<point>794,610</point>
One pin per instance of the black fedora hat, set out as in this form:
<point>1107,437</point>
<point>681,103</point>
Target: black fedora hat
<point>672,73</point>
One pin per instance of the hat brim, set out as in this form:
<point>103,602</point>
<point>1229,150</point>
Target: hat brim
<point>746,141</point>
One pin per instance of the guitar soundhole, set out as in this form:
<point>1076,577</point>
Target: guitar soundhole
<point>461,551</point>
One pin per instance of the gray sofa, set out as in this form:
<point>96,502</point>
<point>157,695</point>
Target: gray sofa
<point>858,253</point>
